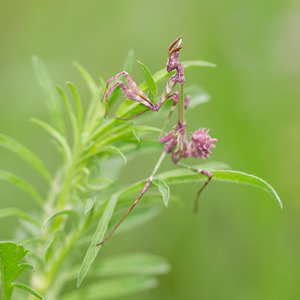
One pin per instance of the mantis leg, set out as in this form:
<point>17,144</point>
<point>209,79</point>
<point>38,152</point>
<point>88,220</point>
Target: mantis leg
<point>132,117</point>
<point>132,92</point>
<point>206,173</point>
<point>132,87</point>
<point>147,185</point>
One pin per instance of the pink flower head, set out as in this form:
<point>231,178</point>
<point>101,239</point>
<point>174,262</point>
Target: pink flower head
<point>201,143</point>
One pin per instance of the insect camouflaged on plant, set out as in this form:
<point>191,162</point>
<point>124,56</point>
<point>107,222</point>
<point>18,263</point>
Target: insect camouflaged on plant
<point>177,144</point>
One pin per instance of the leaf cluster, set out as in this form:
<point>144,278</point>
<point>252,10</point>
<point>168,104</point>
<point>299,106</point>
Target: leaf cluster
<point>84,199</point>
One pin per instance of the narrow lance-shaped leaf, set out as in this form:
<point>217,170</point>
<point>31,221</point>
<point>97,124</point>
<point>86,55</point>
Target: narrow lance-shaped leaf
<point>68,212</point>
<point>197,63</point>
<point>145,128</point>
<point>71,114</point>
<point>149,80</point>
<point>78,106</point>
<point>185,175</point>
<point>98,237</point>
<point>136,187</point>
<point>96,109</point>
<point>90,82</point>
<point>90,202</point>
<point>113,288</point>
<point>26,154</point>
<point>48,245</point>
<point>128,65</point>
<point>132,264</point>
<point>198,95</point>
<point>161,74</point>
<point>106,131</point>
<point>48,86</point>
<point>106,149</point>
<point>180,176</point>
<point>163,189</point>
<point>58,137</point>
<point>127,264</point>
<point>8,212</point>
<point>28,289</point>
<point>118,151</point>
<point>98,184</point>
<point>158,77</point>
<point>23,185</point>
<point>140,216</point>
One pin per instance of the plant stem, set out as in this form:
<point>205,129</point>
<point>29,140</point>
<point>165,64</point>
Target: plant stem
<point>181,116</point>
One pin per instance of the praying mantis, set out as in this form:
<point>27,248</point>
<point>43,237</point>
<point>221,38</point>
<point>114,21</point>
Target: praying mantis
<point>176,142</point>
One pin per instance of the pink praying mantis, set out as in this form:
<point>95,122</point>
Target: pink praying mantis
<point>177,145</point>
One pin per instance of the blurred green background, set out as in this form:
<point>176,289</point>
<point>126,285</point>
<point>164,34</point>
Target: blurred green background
<point>239,245</point>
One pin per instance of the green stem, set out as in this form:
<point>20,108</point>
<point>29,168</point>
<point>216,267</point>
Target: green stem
<point>6,291</point>
<point>181,116</point>
<point>42,282</point>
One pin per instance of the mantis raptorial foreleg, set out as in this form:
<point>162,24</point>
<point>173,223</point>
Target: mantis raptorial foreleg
<point>204,172</point>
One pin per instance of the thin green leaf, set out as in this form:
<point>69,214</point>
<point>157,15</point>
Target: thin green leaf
<point>126,108</point>
<point>128,66</point>
<point>131,264</point>
<point>119,152</point>
<point>144,128</point>
<point>151,199</point>
<point>23,185</point>
<point>163,189</point>
<point>140,216</point>
<point>136,187</point>
<point>58,137</point>
<point>26,266</point>
<point>122,135</point>
<point>32,241</point>
<point>107,130</point>
<point>48,245</point>
<point>98,237</point>
<point>198,95</point>
<point>161,74</point>
<point>7,212</point>
<point>10,268</point>
<point>127,264</point>
<point>197,63</point>
<point>136,136</point>
<point>149,80</point>
<point>96,109</point>
<point>90,202</point>
<point>69,212</point>
<point>26,154</point>
<point>71,114</point>
<point>87,78</point>
<point>108,149</point>
<point>78,103</point>
<point>180,176</point>
<point>46,82</point>
<point>98,184</point>
<point>113,288</point>
<point>28,289</point>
